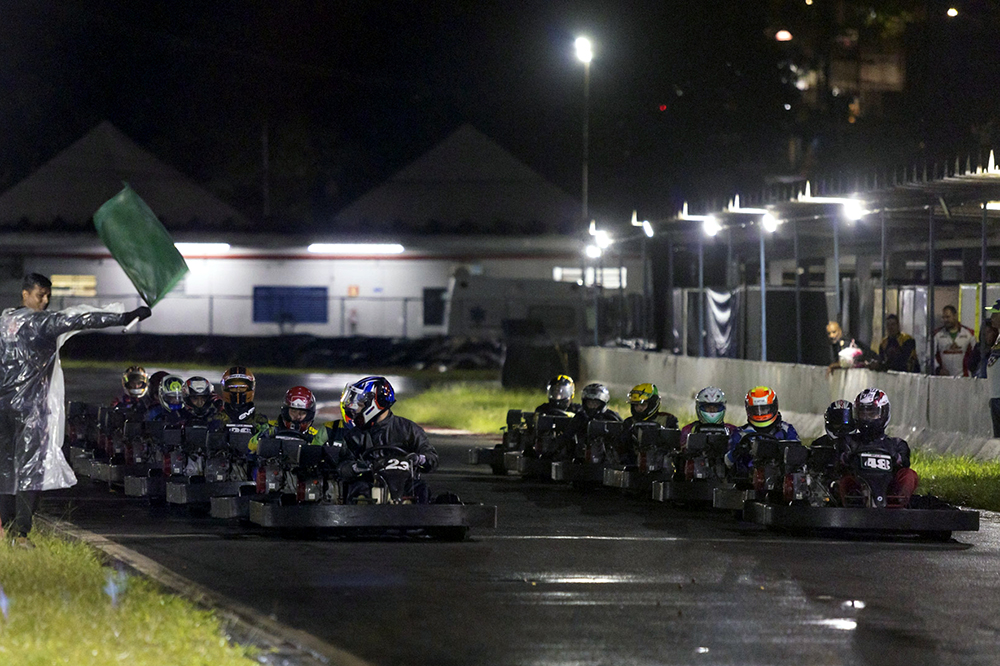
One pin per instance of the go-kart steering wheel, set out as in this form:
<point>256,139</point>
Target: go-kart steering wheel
<point>370,454</point>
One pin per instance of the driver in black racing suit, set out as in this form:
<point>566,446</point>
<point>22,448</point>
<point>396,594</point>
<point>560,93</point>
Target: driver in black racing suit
<point>366,406</point>
<point>595,398</point>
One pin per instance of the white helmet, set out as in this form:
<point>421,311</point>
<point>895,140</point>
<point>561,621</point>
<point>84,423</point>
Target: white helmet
<point>710,405</point>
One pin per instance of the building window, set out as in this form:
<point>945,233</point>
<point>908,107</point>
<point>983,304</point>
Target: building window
<point>74,285</point>
<point>290,305</point>
<point>434,306</point>
<point>607,277</point>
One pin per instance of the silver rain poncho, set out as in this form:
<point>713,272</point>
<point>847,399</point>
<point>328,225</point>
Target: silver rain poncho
<point>32,405</point>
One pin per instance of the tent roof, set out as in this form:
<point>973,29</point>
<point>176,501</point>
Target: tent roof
<point>469,183</point>
<point>70,187</point>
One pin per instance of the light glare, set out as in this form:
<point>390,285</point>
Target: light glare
<point>711,226</point>
<point>647,228</point>
<point>584,50</point>
<point>783,36</point>
<point>952,12</point>
<point>355,248</point>
<point>770,222</point>
<point>189,249</point>
<point>593,252</point>
<point>854,209</point>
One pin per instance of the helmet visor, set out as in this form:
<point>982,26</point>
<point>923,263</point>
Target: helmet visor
<point>761,410</point>
<point>868,412</point>
<point>355,401</point>
<point>561,391</point>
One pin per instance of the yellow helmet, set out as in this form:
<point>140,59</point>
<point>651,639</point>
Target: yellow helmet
<point>644,401</point>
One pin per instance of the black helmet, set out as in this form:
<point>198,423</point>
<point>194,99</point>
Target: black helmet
<point>198,394</point>
<point>839,419</point>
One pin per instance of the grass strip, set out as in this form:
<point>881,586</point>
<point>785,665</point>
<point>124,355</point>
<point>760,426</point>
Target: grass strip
<point>59,604</point>
<point>961,480</point>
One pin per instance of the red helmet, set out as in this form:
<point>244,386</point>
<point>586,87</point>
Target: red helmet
<point>301,398</point>
<point>762,406</point>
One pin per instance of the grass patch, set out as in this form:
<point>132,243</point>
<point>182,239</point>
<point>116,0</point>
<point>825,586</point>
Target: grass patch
<point>473,407</point>
<point>61,605</point>
<point>958,479</point>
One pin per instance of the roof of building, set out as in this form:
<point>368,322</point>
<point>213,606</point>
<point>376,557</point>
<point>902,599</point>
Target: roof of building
<point>466,184</point>
<point>65,192</point>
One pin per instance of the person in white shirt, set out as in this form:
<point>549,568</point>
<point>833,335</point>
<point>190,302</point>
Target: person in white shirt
<point>953,346</point>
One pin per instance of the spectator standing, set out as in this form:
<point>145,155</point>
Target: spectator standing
<point>846,353</point>
<point>953,346</point>
<point>897,351</point>
<point>981,354</point>
<point>993,371</point>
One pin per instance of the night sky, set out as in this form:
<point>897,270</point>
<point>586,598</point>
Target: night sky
<point>687,98</point>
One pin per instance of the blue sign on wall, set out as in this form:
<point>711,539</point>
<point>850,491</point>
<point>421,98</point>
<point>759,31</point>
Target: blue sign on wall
<point>290,305</point>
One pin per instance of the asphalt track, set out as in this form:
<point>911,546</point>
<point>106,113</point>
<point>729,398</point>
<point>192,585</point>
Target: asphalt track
<point>581,578</point>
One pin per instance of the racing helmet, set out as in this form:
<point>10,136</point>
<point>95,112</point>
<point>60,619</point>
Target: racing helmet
<point>762,406</point>
<point>300,398</point>
<point>135,381</point>
<point>595,398</point>
<point>238,385</point>
<point>365,400</point>
<point>560,391</point>
<point>872,412</point>
<point>644,401</point>
<point>710,405</point>
<point>171,393</point>
<point>839,418</point>
<point>198,396</point>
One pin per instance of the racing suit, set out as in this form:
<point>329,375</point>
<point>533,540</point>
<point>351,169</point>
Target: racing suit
<point>241,419</point>
<point>993,375</point>
<point>738,458</point>
<point>697,426</point>
<point>903,483</point>
<point>390,430</point>
<point>31,403</point>
<point>555,410</point>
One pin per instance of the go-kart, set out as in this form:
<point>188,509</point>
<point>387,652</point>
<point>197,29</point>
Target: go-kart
<point>154,455</point>
<point>699,470</point>
<point>535,459</point>
<point>644,458</point>
<point>755,472</point>
<point>518,434</point>
<point>224,460</point>
<point>278,457</point>
<point>867,505</point>
<point>590,454</point>
<point>384,495</point>
<point>82,435</point>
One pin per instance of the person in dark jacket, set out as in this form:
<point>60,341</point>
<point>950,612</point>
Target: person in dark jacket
<point>872,412</point>
<point>31,458</point>
<point>595,399</point>
<point>366,407</point>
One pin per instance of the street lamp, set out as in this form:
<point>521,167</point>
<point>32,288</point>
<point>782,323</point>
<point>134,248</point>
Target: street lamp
<point>585,53</point>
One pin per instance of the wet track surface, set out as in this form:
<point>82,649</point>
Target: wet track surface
<point>582,578</point>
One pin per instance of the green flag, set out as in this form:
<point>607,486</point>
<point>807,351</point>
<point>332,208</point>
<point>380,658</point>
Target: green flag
<point>140,245</point>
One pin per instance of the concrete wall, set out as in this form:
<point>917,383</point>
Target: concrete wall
<point>941,413</point>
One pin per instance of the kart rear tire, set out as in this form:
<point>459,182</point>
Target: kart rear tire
<point>454,533</point>
<point>499,470</point>
<point>942,536</point>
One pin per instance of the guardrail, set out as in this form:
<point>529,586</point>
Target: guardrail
<point>947,413</point>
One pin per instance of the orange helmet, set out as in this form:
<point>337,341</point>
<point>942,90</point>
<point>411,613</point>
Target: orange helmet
<point>238,385</point>
<point>762,406</point>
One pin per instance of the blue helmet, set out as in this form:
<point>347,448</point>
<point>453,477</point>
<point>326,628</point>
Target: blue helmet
<point>365,400</point>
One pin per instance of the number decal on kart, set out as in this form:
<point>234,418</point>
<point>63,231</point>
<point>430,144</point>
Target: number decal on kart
<point>880,462</point>
<point>395,463</point>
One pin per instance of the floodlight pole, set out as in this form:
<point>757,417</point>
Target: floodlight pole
<point>798,295</point>
<point>982,273</point>
<point>701,295</point>
<point>763,298</point>
<point>930,291</point>
<point>836,271</point>
<point>884,262</point>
